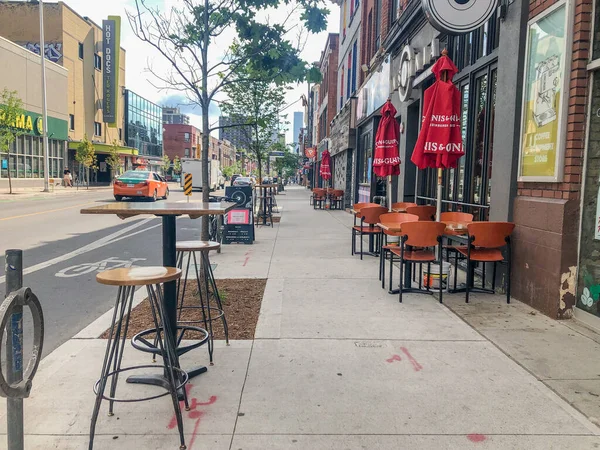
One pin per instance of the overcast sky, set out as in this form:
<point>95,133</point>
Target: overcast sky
<point>140,55</point>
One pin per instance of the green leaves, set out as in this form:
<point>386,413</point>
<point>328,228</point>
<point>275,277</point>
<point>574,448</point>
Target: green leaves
<point>85,154</point>
<point>315,18</point>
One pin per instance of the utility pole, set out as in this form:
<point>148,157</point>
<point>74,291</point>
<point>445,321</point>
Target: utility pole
<point>44,106</point>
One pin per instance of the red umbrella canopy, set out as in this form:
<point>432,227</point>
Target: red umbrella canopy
<point>440,141</point>
<point>387,160</point>
<point>325,170</point>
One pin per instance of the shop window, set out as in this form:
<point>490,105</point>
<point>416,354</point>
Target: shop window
<point>97,61</point>
<point>366,156</point>
<point>81,50</point>
<point>97,129</point>
<point>71,122</point>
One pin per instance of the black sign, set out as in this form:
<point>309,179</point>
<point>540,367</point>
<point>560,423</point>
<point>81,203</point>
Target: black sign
<point>239,222</point>
<point>110,69</point>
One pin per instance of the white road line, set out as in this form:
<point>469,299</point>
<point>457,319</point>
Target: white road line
<point>116,236</point>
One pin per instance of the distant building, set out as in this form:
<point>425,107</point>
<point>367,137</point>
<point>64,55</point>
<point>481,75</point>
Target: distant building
<point>238,136</point>
<point>182,140</point>
<point>144,130</point>
<point>298,122</point>
<point>172,115</point>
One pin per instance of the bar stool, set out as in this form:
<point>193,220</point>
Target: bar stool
<point>265,209</point>
<point>207,288</point>
<point>127,279</point>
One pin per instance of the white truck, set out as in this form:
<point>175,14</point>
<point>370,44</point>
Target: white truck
<point>194,166</point>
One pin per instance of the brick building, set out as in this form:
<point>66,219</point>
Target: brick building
<point>328,88</point>
<point>182,140</point>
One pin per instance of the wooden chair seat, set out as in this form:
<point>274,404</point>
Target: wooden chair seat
<point>197,246</point>
<point>482,255</point>
<point>138,276</point>
<point>415,255</point>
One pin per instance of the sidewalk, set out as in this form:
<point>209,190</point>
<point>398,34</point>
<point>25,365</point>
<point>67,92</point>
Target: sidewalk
<point>25,194</point>
<point>336,363</point>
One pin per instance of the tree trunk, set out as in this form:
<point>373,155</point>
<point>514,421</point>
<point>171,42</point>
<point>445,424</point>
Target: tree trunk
<point>10,191</point>
<point>205,125</point>
<point>88,178</point>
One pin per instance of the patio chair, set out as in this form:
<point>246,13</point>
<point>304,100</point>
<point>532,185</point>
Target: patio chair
<point>385,247</point>
<point>369,218</point>
<point>454,217</point>
<point>337,199</point>
<point>425,236</point>
<point>425,212</point>
<point>319,197</point>
<point>484,245</point>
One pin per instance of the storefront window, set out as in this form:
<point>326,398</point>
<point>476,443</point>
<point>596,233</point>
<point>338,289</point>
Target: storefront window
<point>479,136</point>
<point>464,124</point>
<point>367,156</point>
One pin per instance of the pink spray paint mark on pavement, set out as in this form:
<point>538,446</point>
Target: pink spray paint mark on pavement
<point>412,360</point>
<point>394,358</point>
<point>247,255</point>
<point>193,413</point>
<point>475,437</point>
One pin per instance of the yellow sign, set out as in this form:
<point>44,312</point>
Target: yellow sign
<point>541,139</point>
<point>187,184</point>
<point>26,122</point>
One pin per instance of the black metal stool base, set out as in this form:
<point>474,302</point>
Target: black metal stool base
<point>139,341</point>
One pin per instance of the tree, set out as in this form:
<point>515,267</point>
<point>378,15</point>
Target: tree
<point>166,164</point>
<point>231,170</point>
<point>176,165</point>
<point>114,160</point>
<point>85,155</point>
<point>11,113</point>
<point>255,105</point>
<point>186,35</point>
<point>286,166</point>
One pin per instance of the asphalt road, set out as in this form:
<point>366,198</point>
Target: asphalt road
<point>64,250</point>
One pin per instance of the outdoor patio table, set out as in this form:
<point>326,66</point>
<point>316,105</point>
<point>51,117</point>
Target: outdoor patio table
<point>264,196</point>
<point>169,212</point>
<point>452,229</point>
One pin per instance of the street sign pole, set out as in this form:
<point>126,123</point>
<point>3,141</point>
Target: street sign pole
<point>44,106</point>
<point>14,350</point>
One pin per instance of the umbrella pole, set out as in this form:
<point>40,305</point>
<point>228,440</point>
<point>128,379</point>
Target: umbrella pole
<point>389,193</point>
<point>438,210</point>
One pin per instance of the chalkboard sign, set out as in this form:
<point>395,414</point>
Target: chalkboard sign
<point>239,222</point>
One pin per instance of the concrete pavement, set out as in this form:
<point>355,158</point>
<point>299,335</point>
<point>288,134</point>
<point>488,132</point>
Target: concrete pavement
<point>336,363</point>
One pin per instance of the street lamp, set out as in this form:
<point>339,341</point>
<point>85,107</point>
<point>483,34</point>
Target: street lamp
<point>44,106</point>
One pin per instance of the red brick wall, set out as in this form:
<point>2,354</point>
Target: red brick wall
<point>174,140</point>
<point>329,85</point>
<point>573,164</point>
<point>367,45</point>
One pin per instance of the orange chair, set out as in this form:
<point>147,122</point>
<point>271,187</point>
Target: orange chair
<point>385,248</point>
<point>369,216</point>
<point>402,206</point>
<point>457,218</point>
<point>424,236</point>
<point>485,241</point>
<point>337,199</point>
<point>425,212</point>
<point>358,206</point>
<point>319,197</point>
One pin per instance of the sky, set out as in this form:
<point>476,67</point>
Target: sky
<point>140,55</point>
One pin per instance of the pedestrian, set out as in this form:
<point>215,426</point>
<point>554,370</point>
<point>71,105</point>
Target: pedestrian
<point>70,178</point>
<point>65,178</point>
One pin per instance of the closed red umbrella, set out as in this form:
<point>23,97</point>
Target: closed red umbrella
<point>387,160</point>
<point>325,170</point>
<point>440,140</point>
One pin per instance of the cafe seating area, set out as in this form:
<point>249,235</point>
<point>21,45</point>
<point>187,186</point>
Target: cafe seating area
<point>431,253</point>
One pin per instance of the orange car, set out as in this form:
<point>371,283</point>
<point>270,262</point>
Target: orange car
<point>140,183</point>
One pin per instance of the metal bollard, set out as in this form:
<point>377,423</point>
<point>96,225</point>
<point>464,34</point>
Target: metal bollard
<point>14,349</point>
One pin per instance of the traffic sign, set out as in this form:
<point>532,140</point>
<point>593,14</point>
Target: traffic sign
<point>187,184</point>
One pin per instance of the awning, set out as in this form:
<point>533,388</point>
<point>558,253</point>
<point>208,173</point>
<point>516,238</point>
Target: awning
<point>105,148</point>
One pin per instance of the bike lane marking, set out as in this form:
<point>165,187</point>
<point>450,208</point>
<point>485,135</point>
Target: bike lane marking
<point>114,237</point>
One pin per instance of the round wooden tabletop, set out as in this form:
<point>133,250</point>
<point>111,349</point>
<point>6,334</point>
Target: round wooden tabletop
<point>197,246</point>
<point>138,276</point>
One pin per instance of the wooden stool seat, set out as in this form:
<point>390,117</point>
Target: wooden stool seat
<point>138,276</point>
<point>197,246</point>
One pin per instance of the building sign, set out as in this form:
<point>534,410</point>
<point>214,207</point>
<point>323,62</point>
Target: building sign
<point>111,45</point>
<point>310,152</point>
<point>411,64</point>
<point>374,92</point>
<point>543,123</point>
<point>32,124</point>
<point>458,16</point>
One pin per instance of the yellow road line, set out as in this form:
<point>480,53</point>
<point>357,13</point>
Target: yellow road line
<point>45,212</point>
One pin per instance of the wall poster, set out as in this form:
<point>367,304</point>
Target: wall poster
<point>545,96</point>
